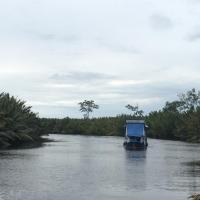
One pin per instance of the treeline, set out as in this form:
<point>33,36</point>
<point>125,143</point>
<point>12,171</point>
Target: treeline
<point>18,124</point>
<point>178,120</point>
<point>104,126</point>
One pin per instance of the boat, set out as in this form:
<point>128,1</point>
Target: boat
<point>135,135</point>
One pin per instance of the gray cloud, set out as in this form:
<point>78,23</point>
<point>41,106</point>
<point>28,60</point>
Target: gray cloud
<point>122,48</point>
<point>194,1</point>
<point>49,36</point>
<point>194,36</point>
<point>118,47</point>
<point>161,22</point>
<point>52,36</point>
<point>78,77</point>
<point>165,89</point>
<point>57,53</point>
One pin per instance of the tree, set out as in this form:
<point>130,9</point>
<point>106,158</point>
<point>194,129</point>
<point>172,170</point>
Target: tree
<point>135,110</point>
<point>173,106</point>
<point>190,100</point>
<point>18,124</point>
<point>87,106</point>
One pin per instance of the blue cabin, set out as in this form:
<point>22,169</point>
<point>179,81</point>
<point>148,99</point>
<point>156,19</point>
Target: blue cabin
<point>135,135</point>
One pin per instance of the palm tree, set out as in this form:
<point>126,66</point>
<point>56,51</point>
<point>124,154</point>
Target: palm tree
<point>18,124</point>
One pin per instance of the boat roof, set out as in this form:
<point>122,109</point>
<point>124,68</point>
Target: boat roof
<point>135,121</point>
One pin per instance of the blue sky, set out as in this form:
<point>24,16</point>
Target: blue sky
<point>54,54</point>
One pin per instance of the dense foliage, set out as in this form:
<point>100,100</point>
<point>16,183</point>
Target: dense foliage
<point>178,120</point>
<point>105,126</point>
<point>18,124</point>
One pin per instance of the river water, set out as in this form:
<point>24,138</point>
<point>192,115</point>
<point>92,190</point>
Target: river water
<point>99,168</point>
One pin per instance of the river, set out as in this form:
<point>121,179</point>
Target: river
<point>99,168</point>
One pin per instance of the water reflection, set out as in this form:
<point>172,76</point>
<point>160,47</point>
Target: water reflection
<point>191,171</point>
<point>135,154</point>
<point>180,159</point>
<point>135,170</point>
<point>11,155</point>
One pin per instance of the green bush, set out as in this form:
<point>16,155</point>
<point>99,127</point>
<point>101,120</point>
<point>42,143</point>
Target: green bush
<point>18,124</point>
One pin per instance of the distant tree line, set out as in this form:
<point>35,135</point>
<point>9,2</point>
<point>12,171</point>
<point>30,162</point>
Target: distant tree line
<point>103,126</point>
<point>177,120</point>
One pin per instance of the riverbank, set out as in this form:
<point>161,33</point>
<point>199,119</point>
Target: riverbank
<point>25,144</point>
<point>161,126</point>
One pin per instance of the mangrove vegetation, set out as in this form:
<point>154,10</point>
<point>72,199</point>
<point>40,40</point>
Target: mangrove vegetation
<point>177,120</point>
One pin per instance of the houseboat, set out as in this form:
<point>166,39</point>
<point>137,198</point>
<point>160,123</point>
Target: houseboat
<point>135,135</point>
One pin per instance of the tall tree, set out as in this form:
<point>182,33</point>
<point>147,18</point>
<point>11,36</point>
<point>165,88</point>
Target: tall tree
<point>135,110</point>
<point>87,107</point>
<point>174,106</point>
<point>190,100</point>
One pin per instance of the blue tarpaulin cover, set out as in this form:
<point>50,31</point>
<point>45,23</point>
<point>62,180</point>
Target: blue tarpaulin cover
<point>134,129</point>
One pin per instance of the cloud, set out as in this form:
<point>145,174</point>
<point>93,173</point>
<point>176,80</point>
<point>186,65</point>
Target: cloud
<point>53,57</point>
<point>81,77</point>
<point>60,85</point>
<point>52,36</point>
<point>60,98</point>
<point>194,1</point>
<point>49,36</point>
<point>161,22</point>
<point>66,103</point>
<point>118,46</point>
<point>128,82</point>
<point>194,36</point>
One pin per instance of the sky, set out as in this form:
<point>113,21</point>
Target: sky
<point>56,53</point>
